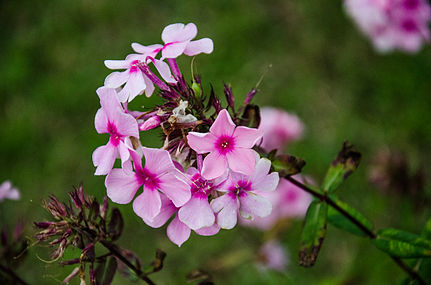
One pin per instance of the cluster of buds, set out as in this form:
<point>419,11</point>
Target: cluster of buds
<point>392,24</point>
<point>209,170</point>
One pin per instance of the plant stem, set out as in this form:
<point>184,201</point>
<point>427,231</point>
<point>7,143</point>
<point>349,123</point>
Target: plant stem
<point>412,273</point>
<point>12,274</point>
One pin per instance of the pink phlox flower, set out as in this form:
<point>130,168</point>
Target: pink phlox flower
<point>159,174</point>
<point>197,212</point>
<point>279,128</point>
<point>112,119</point>
<point>392,24</point>
<point>272,255</point>
<point>243,195</point>
<point>7,191</point>
<point>135,79</point>
<point>177,231</point>
<point>228,146</point>
<point>288,201</point>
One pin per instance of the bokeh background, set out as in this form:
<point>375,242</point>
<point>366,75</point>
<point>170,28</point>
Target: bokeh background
<point>323,69</point>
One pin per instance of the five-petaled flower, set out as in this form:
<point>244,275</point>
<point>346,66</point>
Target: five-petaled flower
<point>228,145</point>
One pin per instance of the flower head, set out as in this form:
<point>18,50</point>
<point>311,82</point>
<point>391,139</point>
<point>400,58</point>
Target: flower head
<point>272,255</point>
<point>7,191</point>
<point>228,146</point>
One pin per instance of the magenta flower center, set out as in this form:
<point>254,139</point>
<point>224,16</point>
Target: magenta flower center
<point>115,137</point>
<point>148,179</point>
<point>134,66</point>
<point>409,26</point>
<point>240,188</point>
<point>291,196</point>
<point>200,186</point>
<point>411,4</point>
<point>225,144</point>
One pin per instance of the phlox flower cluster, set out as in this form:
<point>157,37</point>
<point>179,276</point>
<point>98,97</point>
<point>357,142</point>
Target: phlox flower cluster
<point>207,173</point>
<point>392,24</point>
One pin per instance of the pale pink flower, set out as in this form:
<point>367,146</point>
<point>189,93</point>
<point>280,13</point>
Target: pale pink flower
<point>272,255</point>
<point>137,77</point>
<point>288,201</point>
<point>112,119</point>
<point>177,231</point>
<point>392,24</point>
<point>7,191</point>
<point>228,146</point>
<point>159,174</point>
<point>279,128</point>
<point>243,195</point>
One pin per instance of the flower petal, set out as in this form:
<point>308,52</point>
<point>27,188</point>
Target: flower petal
<point>117,64</point>
<point>242,160</point>
<point>179,33</point>
<point>177,190</point>
<point>121,187</point>
<point>214,166</point>
<point>166,211</point>
<point>223,125</point>
<point>178,232</point>
<point>261,180</point>
<point>164,70</point>
<point>227,208</point>
<point>246,137</point>
<point>208,231</point>
<point>104,157</point>
<point>150,86</point>
<point>101,122</point>
<point>197,213</point>
<point>173,50</point>
<point>200,142</point>
<point>134,87</point>
<point>150,50</point>
<point>204,45</point>
<point>116,79</point>
<point>254,205</point>
<point>148,204</point>
<point>157,161</point>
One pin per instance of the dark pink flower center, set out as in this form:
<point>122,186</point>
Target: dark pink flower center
<point>134,66</point>
<point>411,4</point>
<point>115,137</point>
<point>147,179</point>
<point>409,25</point>
<point>291,196</point>
<point>225,144</point>
<point>240,188</point>
<point>200,186</point>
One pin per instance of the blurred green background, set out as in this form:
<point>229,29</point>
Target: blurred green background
<point>323,69</point>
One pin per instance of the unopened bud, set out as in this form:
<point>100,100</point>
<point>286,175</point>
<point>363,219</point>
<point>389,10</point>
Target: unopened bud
<point>151,123</point>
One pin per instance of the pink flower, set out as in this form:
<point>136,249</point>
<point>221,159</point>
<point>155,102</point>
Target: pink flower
<point>159,174</point>
<point>113,120</point>
<point>7,191</point>
<point>243,194</point>
<point>178,232</point>
<point>228,146</point>
<point>279,128</point>
<point>273,256</point>
<point>137,76</point>
<point>392,24</point>
<point>197,212</point>
<point>288,201</point>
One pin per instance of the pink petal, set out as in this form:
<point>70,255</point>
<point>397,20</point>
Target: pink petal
<point>121,187</point>
<point>126,125</point>
<point>260,178</point>
<point>204,45</point>
<point>197,213</point>
<point>179,33</point>
<point>134,87</point>
<point>178,232</point>
<point>116,79</point>
<point>150,86</point>
<point>157,161</point>
<point>166,211</point>
<point>208,231</point>
<point>214,166</point>
<point>146,49</point>
<point>223,125</point>
<point>200,142</point>
<point>117,64</point>
<point>177,190</point>
<point>148,204</point>
<point>242,160</point>
<point>246,137</point>
<point>227,208</point>
<point>174,50</point>
<point>164,70</point>
<point>101,122</point>
<point>13,194</point>
<point>254,205</point>
<point>109,102</point>
<point>104,158</point>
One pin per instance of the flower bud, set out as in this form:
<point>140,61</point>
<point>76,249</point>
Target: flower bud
<point>151,123</point>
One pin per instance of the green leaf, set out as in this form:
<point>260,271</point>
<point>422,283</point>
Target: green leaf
<point>426,232</point>
<point>343,165</point>
<point>341,222</point>
<point>402,244</point>
<point>116,224</point>
<point>313,233</point>
<point>287,165</point>
<point>105,270</point>
<point>251,116</point>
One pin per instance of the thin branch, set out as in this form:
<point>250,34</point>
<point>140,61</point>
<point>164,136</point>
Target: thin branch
<point>412,273</point>
<point>15,278</point>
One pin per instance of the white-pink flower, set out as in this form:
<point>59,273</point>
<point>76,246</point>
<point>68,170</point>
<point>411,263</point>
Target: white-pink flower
<point>279,128</point>
<point>7,191</point>
<point>228,146</point>
<point>177,231</point>
<point>243,195</point>
<point>159,174</point>
<point>273,256</point>
<point>112,119</point>
<point>392,24</point>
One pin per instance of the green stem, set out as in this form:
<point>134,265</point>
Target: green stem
<point>322,197</point>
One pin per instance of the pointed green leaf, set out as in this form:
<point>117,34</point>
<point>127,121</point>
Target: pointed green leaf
<point>313,233</point>
<point>343,165</point>
<point>341,222</point>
